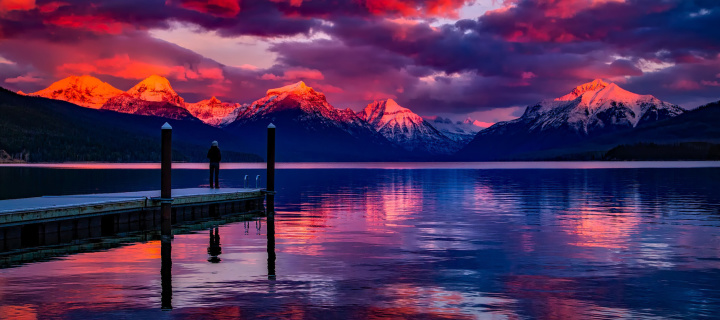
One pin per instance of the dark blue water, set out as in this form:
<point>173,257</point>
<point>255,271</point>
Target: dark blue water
<point>421,244</point>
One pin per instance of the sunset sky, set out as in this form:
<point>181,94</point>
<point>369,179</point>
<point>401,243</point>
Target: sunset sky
<point>485,58</point>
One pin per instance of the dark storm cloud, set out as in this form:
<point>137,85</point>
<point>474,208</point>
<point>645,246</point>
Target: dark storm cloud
<point>516,55</point>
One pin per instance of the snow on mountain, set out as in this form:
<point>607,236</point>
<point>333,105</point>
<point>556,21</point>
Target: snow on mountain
<point>311,128</point>
<point>598,107</point>
<point>86,91</point>
<point>214,112</point>
<point>126,103</point>
<point>405,128</point>
<point>156,88</point>
<point>459,131</point>
<point>590,109</point>
<point>298,96</point>
<point>151,97</point>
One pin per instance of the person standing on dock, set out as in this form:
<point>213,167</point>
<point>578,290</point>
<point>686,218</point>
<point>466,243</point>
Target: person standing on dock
<point>214,156</point>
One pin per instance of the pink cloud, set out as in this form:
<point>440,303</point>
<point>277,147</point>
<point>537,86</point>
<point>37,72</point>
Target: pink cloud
<point>710,83</point>
<point>684,84</point>
<point>24,79</point>
<point>295,74</point>
<point>123,66</point>
<point>569,8</point>
<point>327,88</point>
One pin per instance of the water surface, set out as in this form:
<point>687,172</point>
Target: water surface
<point>636,243</point>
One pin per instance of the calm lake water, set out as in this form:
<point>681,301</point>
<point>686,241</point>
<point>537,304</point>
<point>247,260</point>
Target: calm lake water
<point>404,242</point>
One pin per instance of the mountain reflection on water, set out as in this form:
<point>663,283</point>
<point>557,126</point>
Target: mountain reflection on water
<point>353,243</point>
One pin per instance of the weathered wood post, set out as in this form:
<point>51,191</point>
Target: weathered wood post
<point>271,169</point>
<point>165,181</point>
<point>166,218</point>
<point>271,201</point>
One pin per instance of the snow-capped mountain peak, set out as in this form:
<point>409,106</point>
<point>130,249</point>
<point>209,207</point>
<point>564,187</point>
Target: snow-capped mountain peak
<point>388,113</point>
<point>294,96</point>
<point>86,91</point>
<point>597,107</point>
<point>595,85</point>
<point>213,111</point>
<point>156,88</point>
<point>459,131</point>
<point>405,128</point>
<point>298,88</point>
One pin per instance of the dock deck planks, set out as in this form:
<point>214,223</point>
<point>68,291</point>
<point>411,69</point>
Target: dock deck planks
<point>57,207</point>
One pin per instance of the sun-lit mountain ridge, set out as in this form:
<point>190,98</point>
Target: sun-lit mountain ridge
<point>86,91</point>
<point>405,128</point>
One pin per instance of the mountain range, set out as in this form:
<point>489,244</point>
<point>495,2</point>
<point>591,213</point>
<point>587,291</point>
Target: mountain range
<point>591,119</point>
<point>588,111</point>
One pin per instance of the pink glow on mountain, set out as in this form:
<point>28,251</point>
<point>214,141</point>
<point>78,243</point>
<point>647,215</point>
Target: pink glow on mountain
<point>388,113</point>
<point>298,88</point>
<point>595,85</point>
<point>156,88</point>
<point>86,91</point>
<point>297,96</point>
<point>213,111</point>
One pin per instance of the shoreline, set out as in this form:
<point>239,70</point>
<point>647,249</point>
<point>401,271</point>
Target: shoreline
<point>385,165</point>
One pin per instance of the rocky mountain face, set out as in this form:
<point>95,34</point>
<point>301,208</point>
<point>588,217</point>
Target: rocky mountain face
<point>125,103</point>
<point>309,128</point>
<point>157,89</point>
<point>406,129</point>
<point>214,112</point>
<point>461,132</point>
<point>86,91</point>
<point>589,110</point>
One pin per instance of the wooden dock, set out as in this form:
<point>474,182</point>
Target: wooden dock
<point>55,220</point>
<point>52,220</point>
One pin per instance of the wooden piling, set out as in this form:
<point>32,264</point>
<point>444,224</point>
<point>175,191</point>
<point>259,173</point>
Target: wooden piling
<point>271,169</point>
<point>165,180</point>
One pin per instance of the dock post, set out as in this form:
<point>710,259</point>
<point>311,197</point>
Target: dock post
<point>165,181</point>
<point>271,169</point>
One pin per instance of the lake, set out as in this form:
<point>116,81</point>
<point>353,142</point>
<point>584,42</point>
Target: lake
<point>581,240</point>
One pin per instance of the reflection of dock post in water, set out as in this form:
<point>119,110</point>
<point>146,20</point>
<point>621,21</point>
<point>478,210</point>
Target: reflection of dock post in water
<point>166,218</point>
<point>271,200</point>
<point>271,245</point>
<point>166,274</point>
<point>214,249</point>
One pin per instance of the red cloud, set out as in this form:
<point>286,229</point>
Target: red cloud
<point>95,24</point>
<point>445,8</point>
<point>19,5</point>
<point>51,6</point>
<point>569,8</point>
<point>123,67</point>
<point>220,8</point>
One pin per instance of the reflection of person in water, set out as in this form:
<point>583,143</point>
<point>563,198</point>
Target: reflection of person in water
<point>214,249</point>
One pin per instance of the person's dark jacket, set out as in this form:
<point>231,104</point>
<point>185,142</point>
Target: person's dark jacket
<point>214,154</point>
